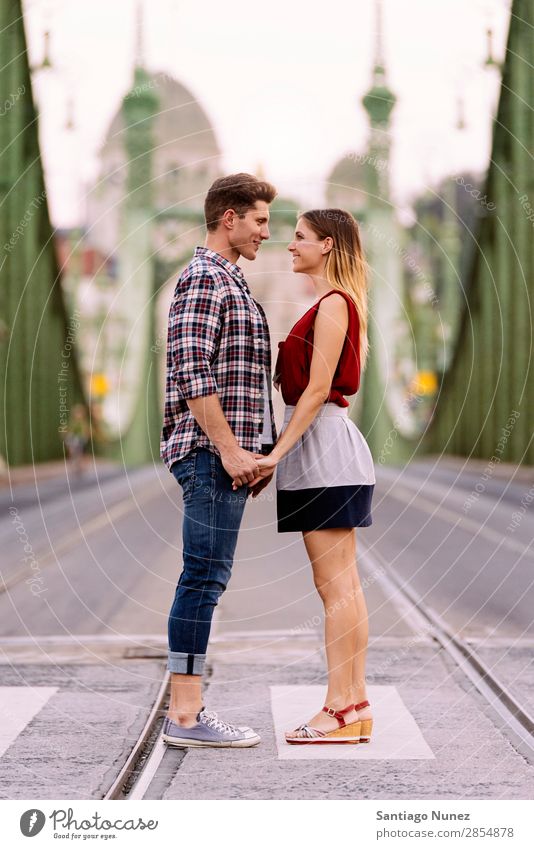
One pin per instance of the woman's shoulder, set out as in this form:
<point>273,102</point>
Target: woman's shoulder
<point>339,303</point>
<point>334,304</point>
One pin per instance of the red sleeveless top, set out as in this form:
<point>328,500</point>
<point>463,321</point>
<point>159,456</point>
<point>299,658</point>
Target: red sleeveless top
<point>292,368</point>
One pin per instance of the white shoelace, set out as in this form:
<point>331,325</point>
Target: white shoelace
<point>213,721</point>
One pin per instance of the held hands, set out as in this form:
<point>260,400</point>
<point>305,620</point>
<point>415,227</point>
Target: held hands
<point>242,466</point>
<point>266,466</point>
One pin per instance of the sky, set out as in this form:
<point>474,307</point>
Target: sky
<point>281,82</point>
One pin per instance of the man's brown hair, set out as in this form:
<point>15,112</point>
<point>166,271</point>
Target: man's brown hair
<point>238,192</point>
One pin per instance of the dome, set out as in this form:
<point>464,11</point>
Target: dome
<point>160,152</point>
<point>178,117</point>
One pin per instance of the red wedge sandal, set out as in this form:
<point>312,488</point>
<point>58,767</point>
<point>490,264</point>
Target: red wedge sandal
<point>344,733</point>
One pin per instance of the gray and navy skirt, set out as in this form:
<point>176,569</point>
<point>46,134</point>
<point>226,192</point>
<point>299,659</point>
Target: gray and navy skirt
<point>328,477</point>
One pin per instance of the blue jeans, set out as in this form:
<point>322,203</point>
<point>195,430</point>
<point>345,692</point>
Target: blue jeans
<point>212,517</point>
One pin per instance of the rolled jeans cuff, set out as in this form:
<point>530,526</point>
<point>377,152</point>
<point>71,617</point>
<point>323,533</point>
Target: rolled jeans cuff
<point>186,664</point>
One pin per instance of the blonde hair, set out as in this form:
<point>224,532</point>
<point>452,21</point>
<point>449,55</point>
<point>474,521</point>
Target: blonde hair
<point>346,267</point>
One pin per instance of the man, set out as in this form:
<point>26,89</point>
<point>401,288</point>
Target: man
<point>218,421</point>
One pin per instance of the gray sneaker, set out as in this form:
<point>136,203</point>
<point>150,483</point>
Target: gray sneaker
<point>209,731</point>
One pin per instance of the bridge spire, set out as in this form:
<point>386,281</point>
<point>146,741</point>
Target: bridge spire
<point>379,37</point>
<point>379,100</point>
<point>139,58</point>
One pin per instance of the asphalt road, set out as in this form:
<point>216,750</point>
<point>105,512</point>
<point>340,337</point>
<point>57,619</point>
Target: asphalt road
<point>106,555</point>
<point>451,536</point>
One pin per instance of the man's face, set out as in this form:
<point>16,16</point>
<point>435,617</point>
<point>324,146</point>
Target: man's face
<point>250,230</point>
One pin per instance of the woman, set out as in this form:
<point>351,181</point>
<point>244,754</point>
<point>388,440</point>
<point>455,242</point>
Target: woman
<point>325,472</point>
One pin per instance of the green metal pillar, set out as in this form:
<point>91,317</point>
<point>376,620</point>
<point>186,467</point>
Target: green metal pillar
<point>34,325</point>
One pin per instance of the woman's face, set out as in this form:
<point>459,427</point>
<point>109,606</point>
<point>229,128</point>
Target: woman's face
<point>307,250</point>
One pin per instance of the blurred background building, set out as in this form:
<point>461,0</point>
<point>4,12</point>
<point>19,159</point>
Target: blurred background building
<point>441,271</point>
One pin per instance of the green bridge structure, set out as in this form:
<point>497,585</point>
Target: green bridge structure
<point>484,401</point>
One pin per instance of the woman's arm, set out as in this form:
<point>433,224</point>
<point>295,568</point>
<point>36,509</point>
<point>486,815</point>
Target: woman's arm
<point>331,324</point>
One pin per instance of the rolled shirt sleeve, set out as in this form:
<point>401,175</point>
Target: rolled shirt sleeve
<point>195,324</point>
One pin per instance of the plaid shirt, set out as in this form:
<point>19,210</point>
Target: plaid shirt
<point>217,342</point>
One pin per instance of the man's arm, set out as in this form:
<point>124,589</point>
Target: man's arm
<point>240,464</point>
<point>195,325</point>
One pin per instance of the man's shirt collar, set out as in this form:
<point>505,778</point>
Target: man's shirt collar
<point>234,270</point>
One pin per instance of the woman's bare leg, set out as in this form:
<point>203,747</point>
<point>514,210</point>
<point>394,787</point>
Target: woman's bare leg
<point>331,553</point>
<point>362,639</point>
